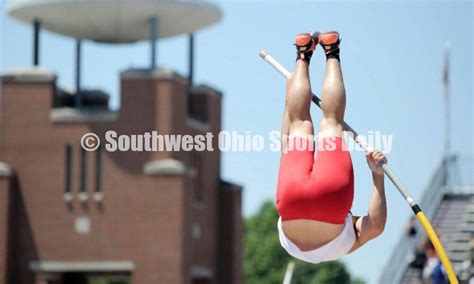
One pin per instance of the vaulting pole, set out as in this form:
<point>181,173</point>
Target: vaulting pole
<point>389,173</point>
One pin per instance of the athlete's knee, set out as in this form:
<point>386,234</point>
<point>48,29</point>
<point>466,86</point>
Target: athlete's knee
<point>301,128</point>
<point>298,113</point>
<point>330,126</point>
<point>331,121</point>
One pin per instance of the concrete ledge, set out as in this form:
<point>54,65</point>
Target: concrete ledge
<point>165,167</point>
<point>71,115</point>
<point>35,74</point>
<point>98,196</point>
<point>68,197</point>
<point>79,266</point>
<point>5,170</point>
<point>164,73</point>
<point>83,196</point>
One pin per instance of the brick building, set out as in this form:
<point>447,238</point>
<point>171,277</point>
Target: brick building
<point>72,216</point>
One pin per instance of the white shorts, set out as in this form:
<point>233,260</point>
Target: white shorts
<point>333,250</point>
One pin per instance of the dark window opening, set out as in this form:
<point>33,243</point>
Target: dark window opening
<point>83,188</point>
<point>201,281</point>
<point>68,170</point>
<point>90,99</point>
<point>98,170</point>
<point>197,179</point>
<point>86,278</point>
<point>198,106</point>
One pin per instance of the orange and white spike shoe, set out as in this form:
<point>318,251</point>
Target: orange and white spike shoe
<point>305,45</point>
<point>330,42</point>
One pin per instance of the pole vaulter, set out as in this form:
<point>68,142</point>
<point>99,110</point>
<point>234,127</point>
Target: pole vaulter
<point>388,172</point>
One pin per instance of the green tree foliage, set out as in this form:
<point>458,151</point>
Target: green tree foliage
<point>266,260</point>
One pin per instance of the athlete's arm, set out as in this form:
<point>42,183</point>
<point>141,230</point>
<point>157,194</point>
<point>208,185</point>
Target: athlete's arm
<point>372,225</point>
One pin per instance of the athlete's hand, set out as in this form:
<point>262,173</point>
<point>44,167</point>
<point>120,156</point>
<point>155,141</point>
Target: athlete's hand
<point>374,158</point>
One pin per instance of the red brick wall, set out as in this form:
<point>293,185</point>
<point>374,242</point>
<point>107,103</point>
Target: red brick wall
<point>145,219</point>
<point>4,218</point>
<point>141,217</point>
<point>200,252</point>
<point>230,235</point>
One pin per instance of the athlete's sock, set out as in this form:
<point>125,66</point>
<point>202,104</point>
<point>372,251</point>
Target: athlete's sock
<point>333,54</point>
<point>306,56</point>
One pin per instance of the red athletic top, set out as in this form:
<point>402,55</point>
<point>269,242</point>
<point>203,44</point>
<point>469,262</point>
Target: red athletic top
<point>319,189</point>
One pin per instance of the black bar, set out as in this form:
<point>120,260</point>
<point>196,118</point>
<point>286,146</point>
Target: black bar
<point>78,101</point>
<point>68,168</point>
<point>98,169</point>
<point>83,187</point>
<point>36,35</point>
<point>153,37</point>
<point>316,100</point>
<point>416,208</point>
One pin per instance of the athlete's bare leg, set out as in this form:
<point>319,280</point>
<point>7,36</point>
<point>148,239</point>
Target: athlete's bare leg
<point>296,118</point>
<point>333,97</point>
<point>298,102</point>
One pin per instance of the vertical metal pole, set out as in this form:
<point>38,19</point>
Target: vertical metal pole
<point>447,106</point>
<point>153,37</point>
<point>289,273</point>
<point>36,34</point>
<point>190,70</point>
<point>191,60</point>
<point>78,74</point>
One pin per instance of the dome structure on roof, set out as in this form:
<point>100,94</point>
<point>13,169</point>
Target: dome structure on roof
<point>118,21</point>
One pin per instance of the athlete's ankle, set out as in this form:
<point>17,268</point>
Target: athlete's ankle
<point>305,56</point>
<point>334,54</point>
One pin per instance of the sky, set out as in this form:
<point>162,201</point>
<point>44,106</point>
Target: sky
<point>392,60</point>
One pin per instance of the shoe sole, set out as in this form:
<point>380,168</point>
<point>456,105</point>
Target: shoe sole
<point>304,39</point>
<point>328,38</point>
